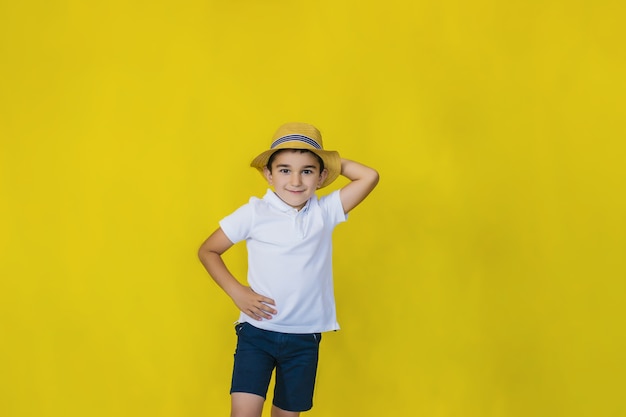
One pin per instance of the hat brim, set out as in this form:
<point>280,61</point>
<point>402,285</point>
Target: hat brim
<point>332,160</point>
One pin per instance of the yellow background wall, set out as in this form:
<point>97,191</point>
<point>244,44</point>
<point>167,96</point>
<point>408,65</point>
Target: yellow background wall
<point>484,277</point>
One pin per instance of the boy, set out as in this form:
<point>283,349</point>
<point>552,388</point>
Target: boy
<point>289,301</point>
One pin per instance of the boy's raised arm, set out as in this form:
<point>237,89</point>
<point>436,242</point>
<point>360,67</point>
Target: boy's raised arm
<point>363,179</point>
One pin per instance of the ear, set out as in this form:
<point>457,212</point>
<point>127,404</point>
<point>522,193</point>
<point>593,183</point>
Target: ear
<point>268,175</point>
<point>323,176</point>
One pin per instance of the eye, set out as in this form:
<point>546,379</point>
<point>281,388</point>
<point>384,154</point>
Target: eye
<point>307,172</point>
<point>283,171</point>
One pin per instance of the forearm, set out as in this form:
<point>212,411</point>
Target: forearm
<point>356,171</point>
<point>215,266</point>
<point>362,178</point>
<point>246,300</point>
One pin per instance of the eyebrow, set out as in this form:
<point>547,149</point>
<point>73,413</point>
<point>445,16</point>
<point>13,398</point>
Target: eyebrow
<point>289,166</point>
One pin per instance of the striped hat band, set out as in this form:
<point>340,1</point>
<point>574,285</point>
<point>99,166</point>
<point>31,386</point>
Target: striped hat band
<point>298,138</point>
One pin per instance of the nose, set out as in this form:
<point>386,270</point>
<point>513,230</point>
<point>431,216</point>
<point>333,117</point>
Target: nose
<point>295,179</point>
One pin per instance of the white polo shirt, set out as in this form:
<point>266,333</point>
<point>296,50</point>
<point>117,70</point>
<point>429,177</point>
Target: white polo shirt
<point>290,259</point>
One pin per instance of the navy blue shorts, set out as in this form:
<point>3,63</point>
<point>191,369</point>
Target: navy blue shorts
<point>294,356</point>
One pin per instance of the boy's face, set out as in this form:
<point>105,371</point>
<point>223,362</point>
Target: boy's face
<point>295,176</point>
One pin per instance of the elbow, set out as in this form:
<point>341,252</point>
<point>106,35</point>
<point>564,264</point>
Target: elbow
<point>374,177</point>
<point>203,252</point>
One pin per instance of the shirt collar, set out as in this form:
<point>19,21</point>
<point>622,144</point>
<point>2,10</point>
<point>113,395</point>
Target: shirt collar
<point>275,201</point>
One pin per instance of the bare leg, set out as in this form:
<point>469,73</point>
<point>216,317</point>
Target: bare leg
<point>246,405</point>
<point>279,412</point>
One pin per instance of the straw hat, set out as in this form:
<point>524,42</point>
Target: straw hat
<point>301,136</point>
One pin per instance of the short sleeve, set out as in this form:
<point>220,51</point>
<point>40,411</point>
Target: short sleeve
<point>236,226</point>
<point>332,207</point>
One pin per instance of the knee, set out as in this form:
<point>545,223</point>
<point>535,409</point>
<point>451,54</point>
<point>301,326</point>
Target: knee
<point>279,412</point>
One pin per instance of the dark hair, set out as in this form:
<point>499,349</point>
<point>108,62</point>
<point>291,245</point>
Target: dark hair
<point>273,156</point>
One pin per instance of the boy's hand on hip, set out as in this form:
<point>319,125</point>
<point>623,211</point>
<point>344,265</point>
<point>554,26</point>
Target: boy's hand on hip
<point>254,305</point>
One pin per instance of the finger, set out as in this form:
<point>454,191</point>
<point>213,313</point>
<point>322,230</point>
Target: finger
<point>267,300</point>
<point>267,309</point>
<point>261,297</point>
<point>255,315</point>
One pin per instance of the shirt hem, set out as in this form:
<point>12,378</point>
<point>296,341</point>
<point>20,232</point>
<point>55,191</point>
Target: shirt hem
<point>265,325</point>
